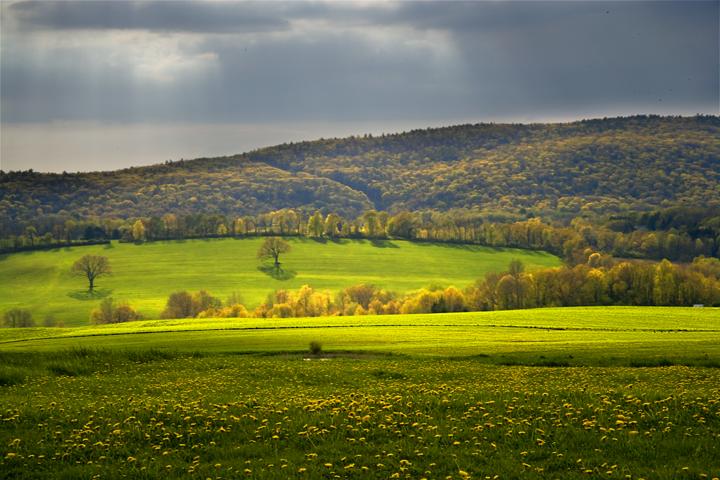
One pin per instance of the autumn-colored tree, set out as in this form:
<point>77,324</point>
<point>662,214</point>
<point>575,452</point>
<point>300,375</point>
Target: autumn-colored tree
<point>453,300</point>
<point>138,231</point>
<point>362,294</point>
<point>239,226</point>
<point>170,224</point>
<point>91,267</point>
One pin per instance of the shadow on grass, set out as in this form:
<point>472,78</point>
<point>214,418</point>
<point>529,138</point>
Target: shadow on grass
<point>96,294</point>
<point>382,243</point>
<point>277,273</point>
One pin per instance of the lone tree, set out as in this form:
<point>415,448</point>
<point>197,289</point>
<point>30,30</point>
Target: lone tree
<point>91,267</point>
<point>272,247</point>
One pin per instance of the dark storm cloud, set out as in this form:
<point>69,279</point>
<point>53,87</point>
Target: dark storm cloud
<point>617,56</point>
<point>179,16</point>
<point>272,61</point>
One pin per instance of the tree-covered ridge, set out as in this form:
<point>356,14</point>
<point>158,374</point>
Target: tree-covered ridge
<point>605,165</point>
<point>557,170</point>
<point>181,188</point>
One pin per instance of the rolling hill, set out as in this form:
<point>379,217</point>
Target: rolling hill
<point>555,170</point>
<point>144,275</point>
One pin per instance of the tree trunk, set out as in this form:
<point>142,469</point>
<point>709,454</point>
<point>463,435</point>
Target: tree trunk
<point>92,281</point>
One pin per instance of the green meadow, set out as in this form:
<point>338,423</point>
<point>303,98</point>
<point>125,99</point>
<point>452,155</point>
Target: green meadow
<point>144,275</point>
<point>571,393</point>
<point>619,392</point>
<point>563,336</point>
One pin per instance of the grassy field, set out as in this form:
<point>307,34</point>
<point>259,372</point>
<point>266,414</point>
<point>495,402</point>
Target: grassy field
<point>549,393</point>
<point>145,275</point>
<point>565,336</point>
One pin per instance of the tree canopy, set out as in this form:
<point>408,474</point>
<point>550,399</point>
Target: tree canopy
<point>271,248</point>
<point>551,170</point>
<point>91,267</point>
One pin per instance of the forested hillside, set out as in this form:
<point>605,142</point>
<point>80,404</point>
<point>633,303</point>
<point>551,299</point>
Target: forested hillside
<point>552,170</point>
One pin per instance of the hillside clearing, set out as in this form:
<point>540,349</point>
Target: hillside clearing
<point>144,275</point>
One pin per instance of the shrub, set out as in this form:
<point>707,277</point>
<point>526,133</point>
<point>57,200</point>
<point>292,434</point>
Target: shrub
<point>281,310</point>
<point>125,313</point>
<point>107,312</point>
<point>361,294</point>
<point>315,347</point>
<point>179,305</point>
<point>104,313</point>
<point>202,300</point>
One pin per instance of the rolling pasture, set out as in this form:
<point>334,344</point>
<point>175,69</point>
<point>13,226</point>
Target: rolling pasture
<point>586,392</point>
<point>565,336</point>
<point>144,275</point>
<point>550,393</point>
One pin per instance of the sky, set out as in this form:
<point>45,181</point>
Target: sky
<point>101,85</point>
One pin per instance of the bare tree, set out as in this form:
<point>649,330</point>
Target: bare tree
<point>272,247</point>
<point>91,267</point>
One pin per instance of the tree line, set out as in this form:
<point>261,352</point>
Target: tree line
<point>601,280</point>
<point>678,234</point>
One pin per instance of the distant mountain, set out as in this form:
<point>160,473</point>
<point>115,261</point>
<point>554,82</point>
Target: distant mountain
<point>604,165</point>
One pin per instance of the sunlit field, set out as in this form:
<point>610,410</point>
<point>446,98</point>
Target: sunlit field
<point>144,275</point>
<point>579,335</point>
<point>548,393</point>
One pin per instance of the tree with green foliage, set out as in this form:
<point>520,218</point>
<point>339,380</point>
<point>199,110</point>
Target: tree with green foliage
<point>515,269</point>
<point>31,233</point>
<point>18,318</point>
<point>371,224</point>
<point>91,267</point>
<point>315,225</point>
<point>665,284</point>
<point>402,225</point>
<point>272,247</point>
<point>332,225</point>
<point>506,292</point>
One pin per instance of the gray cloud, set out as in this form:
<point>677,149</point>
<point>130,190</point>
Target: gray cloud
<point>180,16</point>
<point>199,62</point>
